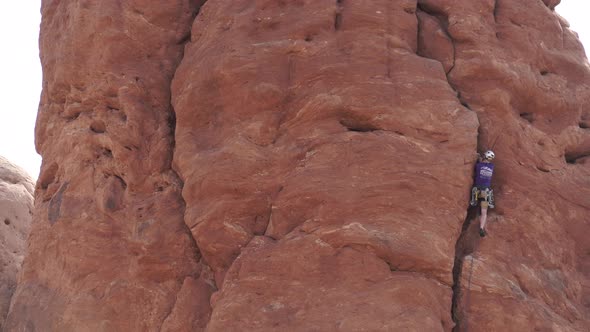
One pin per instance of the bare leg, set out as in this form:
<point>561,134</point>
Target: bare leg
<point>483,217</point>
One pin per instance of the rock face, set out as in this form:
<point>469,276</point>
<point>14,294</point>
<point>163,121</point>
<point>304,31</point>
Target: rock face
<point>109,250</point>
<point>16,206</point>
<point>306,165</point>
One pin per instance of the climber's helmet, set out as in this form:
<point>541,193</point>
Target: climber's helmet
<point>489,155</point>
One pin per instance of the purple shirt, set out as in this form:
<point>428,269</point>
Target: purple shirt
<point>483,174</point>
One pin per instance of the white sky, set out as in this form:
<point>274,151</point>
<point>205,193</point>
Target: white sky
<point>20,81</point>
<point>20,74</point>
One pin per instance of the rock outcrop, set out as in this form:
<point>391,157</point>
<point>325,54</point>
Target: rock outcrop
<point>16,206</point>
<point>306,165</point>
<point>109,250</point>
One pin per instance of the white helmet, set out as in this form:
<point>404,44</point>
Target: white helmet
<point>489,155</point>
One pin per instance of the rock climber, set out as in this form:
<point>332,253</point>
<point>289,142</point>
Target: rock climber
<point>482,191</point>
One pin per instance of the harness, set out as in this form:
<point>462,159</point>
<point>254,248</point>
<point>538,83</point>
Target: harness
<point>485,195</point>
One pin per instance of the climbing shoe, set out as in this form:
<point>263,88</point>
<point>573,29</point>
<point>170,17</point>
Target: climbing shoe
<point>482,232</point>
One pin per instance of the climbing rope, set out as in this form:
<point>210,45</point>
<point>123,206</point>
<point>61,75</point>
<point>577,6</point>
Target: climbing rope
<point>468,293</point>
<point>468,297</point>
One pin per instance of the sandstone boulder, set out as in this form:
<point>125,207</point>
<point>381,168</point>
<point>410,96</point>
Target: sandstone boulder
<point>16,206</point>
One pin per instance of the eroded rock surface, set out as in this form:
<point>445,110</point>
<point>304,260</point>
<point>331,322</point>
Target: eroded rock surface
<point>311,126</point>
<point>109,250</point>
<point>324,150</point>
<point>16,206</point>
<point>523,72</point>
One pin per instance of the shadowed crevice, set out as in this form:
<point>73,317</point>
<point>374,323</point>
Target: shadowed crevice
<point>465,246</point>
<point>466,242</point>
<point>171,124</point>
<point>358,126</point>
<point>443,22</point>
<point>338,14</point>
<point>496,9</point>
<point>573,157</point>
<point>529,117</point>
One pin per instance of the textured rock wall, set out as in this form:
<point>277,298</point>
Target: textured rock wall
<point>16,206</point>
<point>109,250</point>
<point>324,151</point>
<point>523,72</point>
<point>321,157</point>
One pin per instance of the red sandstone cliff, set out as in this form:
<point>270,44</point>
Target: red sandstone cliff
<point>305,166</point>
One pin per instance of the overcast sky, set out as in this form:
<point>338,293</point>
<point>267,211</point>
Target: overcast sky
<point>20,74</point>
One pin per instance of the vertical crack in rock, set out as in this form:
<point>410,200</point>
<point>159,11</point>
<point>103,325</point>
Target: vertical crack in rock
<point>463,247</point>
<point>443,23</point>
<point>496,6</point>
<point>106,116</point>
<point>172,116</point>
<point>338,14</point>
<point>172,125</point>
<point>465,244</point>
